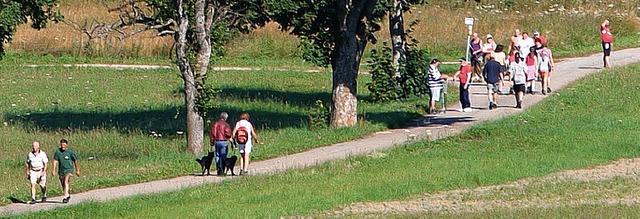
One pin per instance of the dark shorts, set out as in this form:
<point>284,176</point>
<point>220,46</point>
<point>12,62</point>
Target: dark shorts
<point>606,48</point>
<point>518,88</point>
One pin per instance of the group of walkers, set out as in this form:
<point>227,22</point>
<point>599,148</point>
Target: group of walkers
<point>243,135</point>
<point>527,60</point>
<point>65,162</point>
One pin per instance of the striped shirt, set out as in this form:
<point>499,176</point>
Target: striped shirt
<point>435,78</point>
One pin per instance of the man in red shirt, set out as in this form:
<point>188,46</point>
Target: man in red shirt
<point>220,136</point>
<point>538,37</point>
<point>607,42</point>
<point>464,74</point>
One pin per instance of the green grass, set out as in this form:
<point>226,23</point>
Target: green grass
<point>109,115</point>
<point>588,123</point>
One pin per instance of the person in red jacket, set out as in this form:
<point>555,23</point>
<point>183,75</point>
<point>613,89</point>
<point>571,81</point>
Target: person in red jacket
<point>220,137</point>
<point>607,42</point>
<point>464,74</point>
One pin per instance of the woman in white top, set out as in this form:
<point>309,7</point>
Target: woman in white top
<point>245,148</point>
<point>488,48</point>
<point>501,58</point>
<point>545,67</point>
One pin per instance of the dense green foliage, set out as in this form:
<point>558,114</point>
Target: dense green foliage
<point>14,13</point>
<point>560,133</point>
<point>409,79</point>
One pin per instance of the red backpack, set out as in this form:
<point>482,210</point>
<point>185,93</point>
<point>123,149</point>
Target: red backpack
<point>242,135</point>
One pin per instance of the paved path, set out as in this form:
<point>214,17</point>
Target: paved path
<point>430,127</point>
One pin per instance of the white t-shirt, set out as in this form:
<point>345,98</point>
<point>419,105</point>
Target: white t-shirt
<point>519,71</point>
<point>37,161</point>
<point>249,127</point>
<point>524,45</point>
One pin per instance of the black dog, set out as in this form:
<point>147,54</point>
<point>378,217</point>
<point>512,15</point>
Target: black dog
<point>205,162</point>
<point>229,163</point>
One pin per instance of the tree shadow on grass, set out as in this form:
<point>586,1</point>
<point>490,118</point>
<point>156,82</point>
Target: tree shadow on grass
<point>170,121</point>
<point>300,99</point>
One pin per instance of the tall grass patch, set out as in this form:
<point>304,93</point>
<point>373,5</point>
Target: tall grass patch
<point>570,26</point>
<point>567,131</point>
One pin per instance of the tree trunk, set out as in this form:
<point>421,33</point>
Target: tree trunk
<point>396,29</point>
<point>346,60</point>
<point>195,122</point>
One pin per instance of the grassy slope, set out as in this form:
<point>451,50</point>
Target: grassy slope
<point>109,114</point>
<point>589,123</point>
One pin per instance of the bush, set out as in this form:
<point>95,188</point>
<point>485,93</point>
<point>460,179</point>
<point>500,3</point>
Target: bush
<point>410,78</point>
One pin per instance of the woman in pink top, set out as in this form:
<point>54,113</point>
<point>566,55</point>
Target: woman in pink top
<point>532,69</point>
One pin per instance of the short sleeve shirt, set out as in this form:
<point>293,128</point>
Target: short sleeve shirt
<point>464,73</point>
<point>606,35</point>
<point>65,160</point>
<point>37,161</point>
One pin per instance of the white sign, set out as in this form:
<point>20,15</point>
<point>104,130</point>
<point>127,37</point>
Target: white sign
<point>468,21</point>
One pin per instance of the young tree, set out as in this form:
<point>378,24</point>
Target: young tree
<point>332,32</point>
<point>396,9</point>
<point>16,12</point>
<point>192,25</point>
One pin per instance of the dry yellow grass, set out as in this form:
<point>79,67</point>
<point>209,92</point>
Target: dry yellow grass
<point>568,25</point>
<point>62,38</point>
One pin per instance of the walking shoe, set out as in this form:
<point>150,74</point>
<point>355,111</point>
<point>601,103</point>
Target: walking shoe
<point>66,200</point>
<point>33,201</point>
<point>548,90</point>
<point>467,110</point>
<point>492,105</point>
<point>544,92</point>
<point>44,199</point>
<point>519,105</point>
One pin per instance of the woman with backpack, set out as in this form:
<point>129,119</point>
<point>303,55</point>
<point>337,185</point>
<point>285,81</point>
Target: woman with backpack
<point>244,133</point>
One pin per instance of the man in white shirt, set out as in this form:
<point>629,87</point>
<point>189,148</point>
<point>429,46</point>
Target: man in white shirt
<point>37,163</point>
<point>526,43</point>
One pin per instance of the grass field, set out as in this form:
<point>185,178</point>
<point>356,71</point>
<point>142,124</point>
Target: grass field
<point>588,123</point>
<point>109,115</point>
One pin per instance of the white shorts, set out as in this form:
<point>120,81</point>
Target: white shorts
<point>36,177</point>
<point>244,148</point>
<point>435,93</point>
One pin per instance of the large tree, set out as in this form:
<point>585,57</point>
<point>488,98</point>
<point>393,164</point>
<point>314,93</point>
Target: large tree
<point>191,23</point>
<point>16,12</point>
<point>332,32</point>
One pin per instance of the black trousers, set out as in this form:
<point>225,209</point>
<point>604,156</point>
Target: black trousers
<point>464,97</point>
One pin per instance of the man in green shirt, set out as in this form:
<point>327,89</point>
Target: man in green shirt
<point>64,163</point>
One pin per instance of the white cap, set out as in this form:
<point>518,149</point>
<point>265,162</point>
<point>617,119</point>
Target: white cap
<point>489,36</point>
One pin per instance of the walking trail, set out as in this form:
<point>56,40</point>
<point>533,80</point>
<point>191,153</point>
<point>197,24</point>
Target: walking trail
<point>431,127</point>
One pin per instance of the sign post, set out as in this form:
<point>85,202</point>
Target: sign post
<point>469,22</point>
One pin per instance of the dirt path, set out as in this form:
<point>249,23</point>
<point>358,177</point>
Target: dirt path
<point>552,191</point>
<point>431,127</point>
